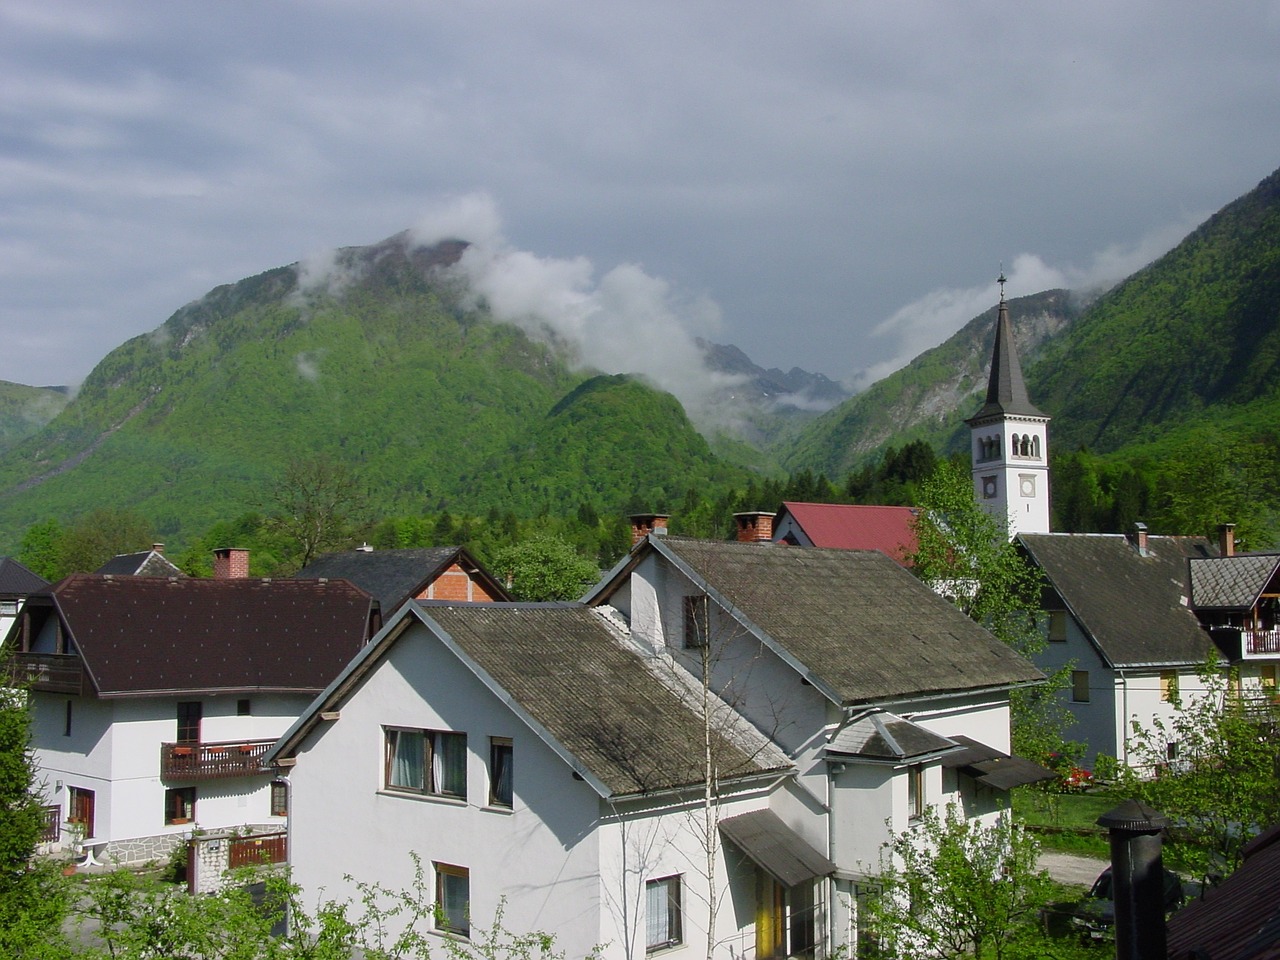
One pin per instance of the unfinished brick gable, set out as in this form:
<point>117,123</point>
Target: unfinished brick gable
<point>458,585</point>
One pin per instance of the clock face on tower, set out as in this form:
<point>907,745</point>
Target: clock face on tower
<point>988,487</point>
<point>1028,486</point>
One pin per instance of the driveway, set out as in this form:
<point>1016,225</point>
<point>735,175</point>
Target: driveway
<point>1072,868</point>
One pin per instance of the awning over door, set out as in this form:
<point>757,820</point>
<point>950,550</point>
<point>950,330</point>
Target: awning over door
<point>989,766</point>
<point>775,847</point>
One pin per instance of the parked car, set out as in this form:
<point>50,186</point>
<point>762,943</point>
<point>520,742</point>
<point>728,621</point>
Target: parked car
<point>1095,914</point>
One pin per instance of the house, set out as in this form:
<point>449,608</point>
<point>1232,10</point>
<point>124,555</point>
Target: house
<point>145,563</point>
<point>1118,612</point>
<point>16,584</point>
<point>554,756</point>
<point>154,700</point>
<point>1239,918</point>
<point>394,577</point>
<point>844,526</point>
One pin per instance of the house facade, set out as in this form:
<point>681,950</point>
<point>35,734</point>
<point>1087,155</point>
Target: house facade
<point>553,756</point>
<point>154,700</point>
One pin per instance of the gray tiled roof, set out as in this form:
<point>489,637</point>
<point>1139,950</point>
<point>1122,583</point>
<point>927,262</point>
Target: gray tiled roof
<point>1134,608</point>
<point>886,736</point>
<point>1231,582</point>
<point>146,563</point>
<point>17,581</point>
<point>856,624</point>
<point>391,576</point>
<point>622,715</point>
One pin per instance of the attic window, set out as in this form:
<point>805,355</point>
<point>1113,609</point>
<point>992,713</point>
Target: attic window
<point>696,624</point>
<point>1057,626</point>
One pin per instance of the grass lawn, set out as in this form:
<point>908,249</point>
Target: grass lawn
<point>1067,822</point>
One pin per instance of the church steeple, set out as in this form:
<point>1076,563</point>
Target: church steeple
<point>1010,441</point>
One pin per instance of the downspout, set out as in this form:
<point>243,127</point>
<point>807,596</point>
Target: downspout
<point>1124,724</point>
<point>832,773</point>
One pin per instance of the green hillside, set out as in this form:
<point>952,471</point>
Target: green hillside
<point>24,410</point>
<point>433,405</point>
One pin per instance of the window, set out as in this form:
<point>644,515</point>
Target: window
<point>427,761</point>
<point>8,608</point>
<point>915,791</point>
<point>453,899</point>
<point>180,805</point>
<point>1080,686</point>
<point>663,926</point>
<point>243,708</point>
<point>189,713</point>
<point>279,798</point>
<point>1057,626</point>
<point>1267,677</point>
<point>1171,750</point>
<point>1168,685</point>
<point>80,809</point>
<point>66,722</point>
<point>696,623</point>
<point>500,757</point>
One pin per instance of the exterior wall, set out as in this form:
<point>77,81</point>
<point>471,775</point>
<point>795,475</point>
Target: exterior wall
<point>1139,699</point>
<point>455,584</point>
<point>998,480</point>
<point>789,528</point>
<point>542,854</point>
<point>114,750</point>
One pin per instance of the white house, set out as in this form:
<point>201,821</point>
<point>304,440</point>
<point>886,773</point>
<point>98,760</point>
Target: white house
<point>552,756</point>
<point>16,584</point>
<point>154,699</point>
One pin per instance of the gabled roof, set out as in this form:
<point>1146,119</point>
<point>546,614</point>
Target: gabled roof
<point>1006,390</point>
<point>143,636</point>
<point>396,576</point>
<point>1232,583</point>
<point>147,563</point>
<point>1134,608</point>
<point>623,721</point>
<point>1239,919</point>
<point>853,623</point>
<point>17,581</point>
<point>844,526</point>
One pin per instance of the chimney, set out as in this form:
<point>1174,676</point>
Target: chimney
<point>158,548</point>
<point>754,526</point>
<point>230,563</point>
<point>364,548</point>
<point>1227,539</point>
<point>1140,538</point>
<point>1137,880</point>
<point>643,524</point>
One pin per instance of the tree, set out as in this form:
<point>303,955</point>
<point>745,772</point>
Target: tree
<point>33,900</point>
<point>41,549</point>
<point>544,568</point>
<point>93,539</point>
<point>316,505</point>
<point>965,555</point>
<point>1212,769</point>
<point>953,887</point>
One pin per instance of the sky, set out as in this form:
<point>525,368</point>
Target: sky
<point>829,185</point>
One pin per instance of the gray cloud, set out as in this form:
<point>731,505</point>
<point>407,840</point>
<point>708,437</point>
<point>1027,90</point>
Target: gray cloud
<point>839,182</point>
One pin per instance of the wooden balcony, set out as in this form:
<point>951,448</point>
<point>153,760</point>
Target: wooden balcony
<point>47,672</point>
<point>213,761</point>
<point>1261,643</point>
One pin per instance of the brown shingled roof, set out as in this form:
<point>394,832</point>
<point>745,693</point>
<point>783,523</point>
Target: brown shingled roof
<point>1134,608</point>
<point>855,622</point>
<point>141,635</point>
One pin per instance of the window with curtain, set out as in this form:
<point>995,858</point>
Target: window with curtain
<point>663,926</point>
<point>500,757</point>
<point>453,899</point>
<point>426,761</point>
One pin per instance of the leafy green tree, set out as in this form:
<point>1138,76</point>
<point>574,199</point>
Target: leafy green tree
<point>544,568</point>
<point>1217,761</point>
<point>33,899</point>
<point>316,505</point>
<point>955,887</point>
<point>41,549</point>
<point>101,534</point>
<point>964,554</point>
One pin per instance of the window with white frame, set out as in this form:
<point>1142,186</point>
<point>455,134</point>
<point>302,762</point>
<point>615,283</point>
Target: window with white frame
<point>915,790</point>
<point>501,755</point>
<point>426,761</point>
<point>664,925</point>
<point>453,899</point>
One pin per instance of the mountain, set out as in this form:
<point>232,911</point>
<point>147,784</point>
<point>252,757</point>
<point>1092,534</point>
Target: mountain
<point>24,410</point>
<point>381,364</point>
<point>929,398</point>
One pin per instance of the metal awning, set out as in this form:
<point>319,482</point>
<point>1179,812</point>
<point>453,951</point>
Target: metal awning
<point>775,847</point>
<point>989,766</point>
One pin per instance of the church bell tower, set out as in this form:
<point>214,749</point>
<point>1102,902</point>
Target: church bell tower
<point>1009,442</point>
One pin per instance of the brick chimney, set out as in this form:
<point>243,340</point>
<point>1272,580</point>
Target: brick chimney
<point>1227,539</point>
<point>230,563</point>
<point>158,548</point>
<point>754,526</point>
<point>643,524</point>
<point>1140,538</point>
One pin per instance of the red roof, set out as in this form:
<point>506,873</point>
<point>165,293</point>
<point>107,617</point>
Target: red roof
<point>844,526</point>
<point>143,635</point>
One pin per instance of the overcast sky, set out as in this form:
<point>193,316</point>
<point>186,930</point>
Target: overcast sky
<point>830,185</point>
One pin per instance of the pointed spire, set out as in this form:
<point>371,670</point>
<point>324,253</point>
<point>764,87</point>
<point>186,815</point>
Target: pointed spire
<point>1006,390</point>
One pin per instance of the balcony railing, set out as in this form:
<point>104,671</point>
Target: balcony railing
<point>50,672</point>
<point>1261,643</point>
<point>213,761</point>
